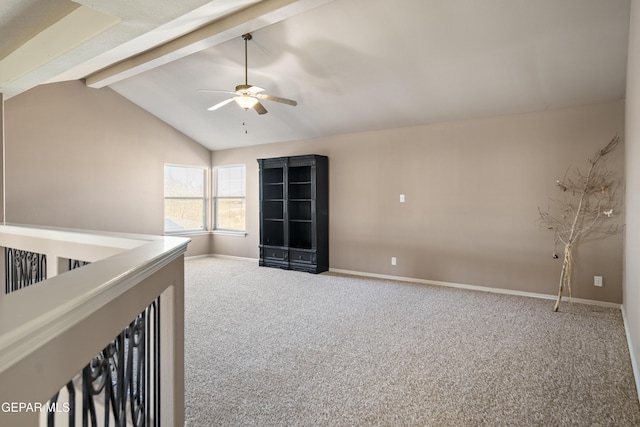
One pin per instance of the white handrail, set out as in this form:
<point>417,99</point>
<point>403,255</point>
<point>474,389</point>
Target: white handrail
<point>88,246</point>
<point>50,330</point>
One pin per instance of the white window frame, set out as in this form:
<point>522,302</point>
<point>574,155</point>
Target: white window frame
<point>216,197</point>
<point>204,199</point>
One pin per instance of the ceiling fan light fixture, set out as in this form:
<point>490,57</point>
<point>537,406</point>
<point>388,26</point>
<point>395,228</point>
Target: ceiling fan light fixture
<point>246,101</point>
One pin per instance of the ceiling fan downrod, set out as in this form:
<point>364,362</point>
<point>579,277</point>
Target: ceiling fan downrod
<point>246,38</point>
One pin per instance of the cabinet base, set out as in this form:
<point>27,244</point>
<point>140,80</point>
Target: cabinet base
<point>290,266</point>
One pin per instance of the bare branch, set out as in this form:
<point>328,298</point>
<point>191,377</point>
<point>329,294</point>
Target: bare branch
<point>590,201</point>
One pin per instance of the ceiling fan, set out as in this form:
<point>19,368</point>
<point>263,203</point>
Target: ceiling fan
<point>248,96</point>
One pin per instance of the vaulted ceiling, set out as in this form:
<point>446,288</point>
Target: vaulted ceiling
<point>352,65</point>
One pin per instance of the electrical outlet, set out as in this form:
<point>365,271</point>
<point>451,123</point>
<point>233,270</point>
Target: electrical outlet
<point>402,198</point>
<point>393,260</point>
<point>597,281</point>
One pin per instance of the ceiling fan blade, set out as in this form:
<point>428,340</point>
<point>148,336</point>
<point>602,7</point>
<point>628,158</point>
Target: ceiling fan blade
<point>260,108</point>
<point>217,91</point>
<point>220,104</point>
<point>267,97</point>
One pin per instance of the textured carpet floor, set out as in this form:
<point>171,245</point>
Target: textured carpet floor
<point>266,347</point>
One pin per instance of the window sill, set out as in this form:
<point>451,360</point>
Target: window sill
<point>185,233</point>
<point>230,233</point>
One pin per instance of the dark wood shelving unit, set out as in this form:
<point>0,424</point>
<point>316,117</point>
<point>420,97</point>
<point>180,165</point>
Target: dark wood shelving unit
<point>294,213</point>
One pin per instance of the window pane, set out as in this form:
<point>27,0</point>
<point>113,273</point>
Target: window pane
<point>183,214</point>
<point>230,181</point>
<point>230,214</point>
<point>183,181</point>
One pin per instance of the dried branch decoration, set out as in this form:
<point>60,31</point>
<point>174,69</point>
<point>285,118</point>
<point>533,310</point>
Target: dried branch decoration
<point>588,204</point>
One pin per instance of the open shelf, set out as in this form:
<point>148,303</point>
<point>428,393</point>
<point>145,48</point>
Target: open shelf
<point>274,234</point>
<point>273,191</point>
<point>300,236</point>
<point>300,191</point>
<point>299,210</point>
<point>273,209</point>
<point>299,174</point>
<point>273,176</point>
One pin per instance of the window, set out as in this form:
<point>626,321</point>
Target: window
<point>184,198</point>
<point>230,198</point>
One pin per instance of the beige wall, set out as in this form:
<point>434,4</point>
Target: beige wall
<point>632,241</point>
<point>472,192</point>
<point>90,159</point>
<point>85,158</point>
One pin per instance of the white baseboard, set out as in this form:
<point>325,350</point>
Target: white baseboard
<point>634,363</point>
<point>237,258</point>
<point>474,287</point>
<point>435,283</point>
<point>196,257</point>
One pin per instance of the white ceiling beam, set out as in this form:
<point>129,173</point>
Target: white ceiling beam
<point>252,18</point>
<point>79,26</point>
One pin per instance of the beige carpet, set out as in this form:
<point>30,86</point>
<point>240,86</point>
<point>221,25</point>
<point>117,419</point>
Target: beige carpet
<point>267,347</point>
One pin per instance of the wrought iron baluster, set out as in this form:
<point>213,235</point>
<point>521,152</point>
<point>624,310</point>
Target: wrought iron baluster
<point>126,375</point>
<point>88,405</point>
<point>76,263</point>
<point>8,262</point>
<point>23,268</point>
<point>53,404</point>
<point>156,359</point>
<point>152,388</point>
<point>50,416</point>
<point>138,368</point>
